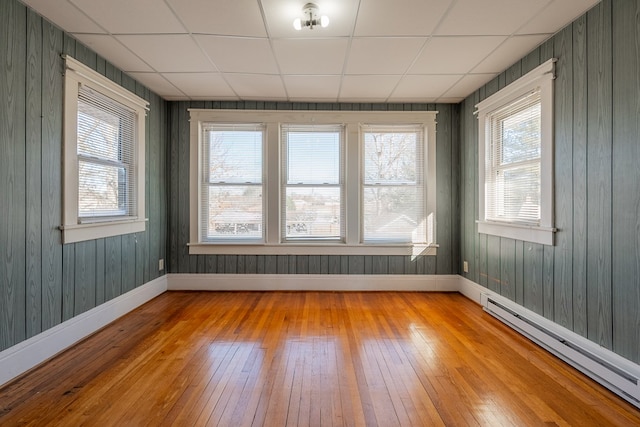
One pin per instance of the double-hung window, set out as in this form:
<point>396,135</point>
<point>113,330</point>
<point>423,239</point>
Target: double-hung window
<point>103,157</point>
<point>516,144</point>
<point>393,188</point>
<point>231,189</point>
<point>312,182</point>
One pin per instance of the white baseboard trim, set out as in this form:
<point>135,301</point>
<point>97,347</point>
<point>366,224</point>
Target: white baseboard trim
<point>30,353</point>
<point>311,282</point>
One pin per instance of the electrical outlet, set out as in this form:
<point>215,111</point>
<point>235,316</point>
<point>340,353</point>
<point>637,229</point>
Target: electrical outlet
<point>465,266</point>
<point>161,265</point>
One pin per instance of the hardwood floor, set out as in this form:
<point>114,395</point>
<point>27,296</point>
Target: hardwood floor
<point>308,358</point>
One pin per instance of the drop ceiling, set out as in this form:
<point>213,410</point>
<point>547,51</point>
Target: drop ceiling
<point>372,51</point>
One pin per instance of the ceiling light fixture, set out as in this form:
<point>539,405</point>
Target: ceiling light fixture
<point>311,20</point>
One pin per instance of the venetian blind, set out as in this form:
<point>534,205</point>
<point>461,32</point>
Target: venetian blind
<point>513,164</point>
<point>106,147</point>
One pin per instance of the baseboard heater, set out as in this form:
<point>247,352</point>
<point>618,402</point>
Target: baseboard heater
<point>607,368</point>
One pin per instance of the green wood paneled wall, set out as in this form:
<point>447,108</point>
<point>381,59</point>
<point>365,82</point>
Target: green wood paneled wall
<point>447,203</point>
<point>589,281</point>
<point>43,282</point>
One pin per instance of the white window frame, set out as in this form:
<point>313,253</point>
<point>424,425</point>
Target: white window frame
<point>540,78</point>
<point>352,121</point>
<point>77,74</point>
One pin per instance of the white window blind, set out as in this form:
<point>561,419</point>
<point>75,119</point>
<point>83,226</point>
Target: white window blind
<point>312,182</point>
<point>393,184</point>
<point>106,157</point>
<point>513,161</point>
<point>232,183</point>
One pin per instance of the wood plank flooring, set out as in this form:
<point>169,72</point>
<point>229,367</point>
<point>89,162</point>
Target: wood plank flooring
<point>309,358</point>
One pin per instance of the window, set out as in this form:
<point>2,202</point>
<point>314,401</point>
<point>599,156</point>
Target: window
<point>231,188</point>
<point>393,184</point>
<point>307,182</point>
<point>103,156</point>
<point>516,145</point>
<point>312,184</point>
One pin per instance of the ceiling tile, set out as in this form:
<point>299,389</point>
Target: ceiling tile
<point>257,86</point>
<point>467,85</point>
<point>312,87</point>
<point>424,86</point>
<point>118,54</point>
<point>367,88</point>
<point>256,56</point>
<point>168,53</point>
<point>132,16</point>
<point>158,84</point>
<point>508,53</point>
<point>405,18</point>
<point>280,15</point>
<point>456,55</point>
<point>556,15</point>
<point>310,56</point>
<point>385,55</point>
<point>65,15</point>
<point>200,84</point>
<point>488,17</point>
<point>221,17</point>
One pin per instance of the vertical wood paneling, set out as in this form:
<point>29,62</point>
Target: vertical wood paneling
<point>599,145</point>
<point>626,179</point>
<point>173,164</point>
<point>42,282</point>
<point>68,280</point>
<point>533,277</point>
<point>33,174</point>
<point>508,268</point>
<point>563,282</point>
<point>85,277</point>
<point>12,173</point>
<point>444,214</point>
<point>580,107</point>
<point>493,263</point>
<point>183,192</point>
<point>51,176</point>
<point>519,279</point>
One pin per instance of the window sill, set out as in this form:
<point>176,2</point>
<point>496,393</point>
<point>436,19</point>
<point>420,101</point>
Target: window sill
<point>308,249</point>
<point>541,235</point>
<point>97,230</point>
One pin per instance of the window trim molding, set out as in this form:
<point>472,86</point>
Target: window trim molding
<point>351,121</point>
<point>540,77</point>
<point>77,74</point>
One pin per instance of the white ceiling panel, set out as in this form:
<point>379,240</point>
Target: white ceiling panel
<point>257,86</point>
<point>312,87</point>
<point>280,15</point>
<point>456,55</point>
<point>168,53</point>
<point>157,83</point>
<point>109,47</point>
<point>200,84</point>
<point>132,16</point>
<point>424,86</point>
<point>508,53</point>
<point>468,84</point>
<point>489,17</point>
<point>65,15</point>
<point>383,55</point>
<point>372,50</point>
<point>221,17</point>
<point>324,56</point>
<point>367,88</point>
<point>556,15</point>
<point>403,17</point>
<point>257,56</point>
